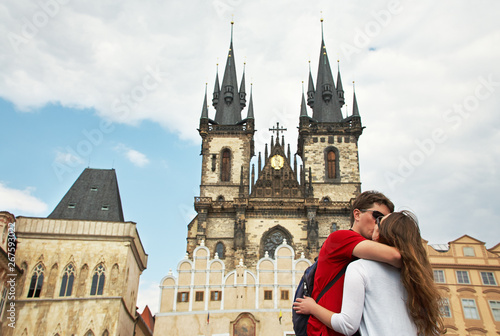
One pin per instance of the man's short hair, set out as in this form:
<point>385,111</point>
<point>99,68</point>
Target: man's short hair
<point>366,199</point>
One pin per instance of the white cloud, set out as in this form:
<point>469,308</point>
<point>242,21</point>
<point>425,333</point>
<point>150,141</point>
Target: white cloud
<point>137,158</point>
<point>67,158</point>
<point>21,201</point>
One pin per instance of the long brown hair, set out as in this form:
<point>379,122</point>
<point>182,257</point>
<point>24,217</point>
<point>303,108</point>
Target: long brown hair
<point>400,229</point>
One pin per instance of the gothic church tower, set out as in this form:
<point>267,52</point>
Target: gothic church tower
<point>258,226</point>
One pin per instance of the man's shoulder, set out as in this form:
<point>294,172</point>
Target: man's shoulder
<point>343,234</point>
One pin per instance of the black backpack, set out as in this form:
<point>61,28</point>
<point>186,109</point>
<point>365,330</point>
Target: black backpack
<point>305,288</point>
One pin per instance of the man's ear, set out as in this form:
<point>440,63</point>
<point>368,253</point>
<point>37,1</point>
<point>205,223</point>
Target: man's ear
<point>357,213</point>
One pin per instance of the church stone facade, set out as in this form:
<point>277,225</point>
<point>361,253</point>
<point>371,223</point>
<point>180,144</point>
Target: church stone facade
<point>258,226</point>
<point>80,265</point>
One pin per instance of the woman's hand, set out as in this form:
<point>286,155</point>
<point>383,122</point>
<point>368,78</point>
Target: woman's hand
<point>305,305</point>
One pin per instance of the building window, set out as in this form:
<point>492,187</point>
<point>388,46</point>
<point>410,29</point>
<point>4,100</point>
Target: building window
<point>71,205</point>
<point>226,165</point>
<point>105,207</point>
<point>463,277</point>
<point>199,296</point>
<point>268,295</point>
<point>215,295</point>
<point>469,252</point>
<point>98,280</point>
<point>219,248</point>
<point>272,239</point>
<point>105,333</point>
<point>183,297</point>
<point>488,278</point>
<point>284,295</point>
<point>36,282</point>
<point>439,276</point>
<point>93,188</point>
<point>470,309</point>
<point>331,164</point>
<point>89,333</point>
<point>495,309</point>
<point>67,281</point>
<point>445,308</point>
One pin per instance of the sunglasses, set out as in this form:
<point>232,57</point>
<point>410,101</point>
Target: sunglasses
<point>377,215</point>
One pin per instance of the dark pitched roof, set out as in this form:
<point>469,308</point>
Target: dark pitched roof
<point>94,196</point>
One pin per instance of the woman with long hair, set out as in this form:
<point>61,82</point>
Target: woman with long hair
<point>382,300</point>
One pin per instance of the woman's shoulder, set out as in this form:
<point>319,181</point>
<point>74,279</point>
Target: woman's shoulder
<point>366,264</point>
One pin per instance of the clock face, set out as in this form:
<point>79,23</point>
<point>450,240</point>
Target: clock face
<point>277,161</point>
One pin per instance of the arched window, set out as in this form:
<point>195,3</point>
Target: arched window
<point>98,280</point>
<point>89,333</point>
<point>226,165</point>
<point>331,164</point>
<point>105,333</point>
<point>67,281</point>
<point>272,239</point>
<point>36,282</point>
<point>219,248</point>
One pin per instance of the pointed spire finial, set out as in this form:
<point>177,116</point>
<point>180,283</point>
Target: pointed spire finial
<point>250,114</point>
<point>322,39</point>
<point>355,110</point>
<point>303,109</point>
<point>204,110</point>
<point>232,24</point>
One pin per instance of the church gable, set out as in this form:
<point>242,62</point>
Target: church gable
<point>277,179</point>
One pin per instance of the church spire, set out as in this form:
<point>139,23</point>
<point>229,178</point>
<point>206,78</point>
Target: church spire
<point>303,110</point>
<point>250,104</point>
<point>326,104</point>
<point>215,99</point>
<point>355,110</point>
<point>228,112</point>
<point>310,89</point>
<point>243,100</point>
<point>204,110</point>
<point>340,89</point>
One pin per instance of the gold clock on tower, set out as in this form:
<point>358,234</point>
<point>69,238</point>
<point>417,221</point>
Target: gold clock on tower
<point>277,161</point>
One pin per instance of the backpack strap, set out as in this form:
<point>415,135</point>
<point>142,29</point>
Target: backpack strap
<point>331,283</point>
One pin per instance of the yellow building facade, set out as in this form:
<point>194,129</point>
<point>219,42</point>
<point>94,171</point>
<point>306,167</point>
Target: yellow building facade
<point>467,274</point>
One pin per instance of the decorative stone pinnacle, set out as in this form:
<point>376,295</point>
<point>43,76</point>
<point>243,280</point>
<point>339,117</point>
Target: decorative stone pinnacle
<point>241,262</point>
<point>302,255</point>
<point>202,243</point>
<point>216,256</point>
<point>266,255</point>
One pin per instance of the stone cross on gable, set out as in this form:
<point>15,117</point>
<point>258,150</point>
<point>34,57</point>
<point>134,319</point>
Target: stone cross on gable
<point>277,129</point>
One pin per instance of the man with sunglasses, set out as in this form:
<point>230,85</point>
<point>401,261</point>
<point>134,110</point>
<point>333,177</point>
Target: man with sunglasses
<point>343,246</point>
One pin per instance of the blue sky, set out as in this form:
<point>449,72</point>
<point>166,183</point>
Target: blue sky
<point>120,85</point>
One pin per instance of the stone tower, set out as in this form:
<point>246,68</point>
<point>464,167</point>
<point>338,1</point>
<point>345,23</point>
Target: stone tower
<point>81,264</point>
<point>227,148</point>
